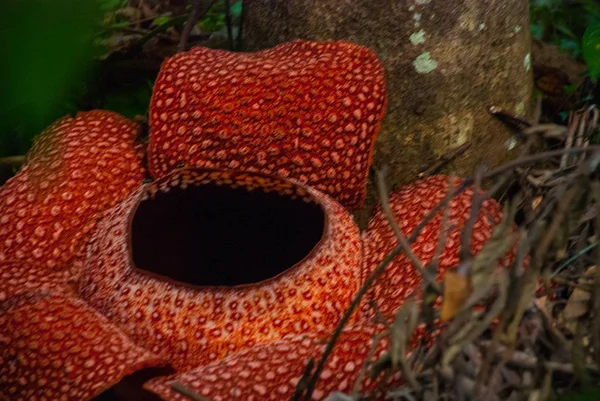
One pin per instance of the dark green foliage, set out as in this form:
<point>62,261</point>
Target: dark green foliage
<point>55,61</point>
<point>562,23</point>
<point>215,18</point>
<point>591,49</point>
<point>47,51</point>
<point>590,394</point>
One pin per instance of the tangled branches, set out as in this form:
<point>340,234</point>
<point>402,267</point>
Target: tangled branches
<point>539,334</point>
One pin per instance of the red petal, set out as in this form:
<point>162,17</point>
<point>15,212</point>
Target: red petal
<point>57,348</point>
<point>76,169</point>
<point>409,205</point>
<point>198,324</point>
<point>305,110</point>
<point>22,278</point>
<point>271,371</point>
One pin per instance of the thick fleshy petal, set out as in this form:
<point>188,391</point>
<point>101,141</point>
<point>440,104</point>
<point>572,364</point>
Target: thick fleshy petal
<point>18,278</point>
<point>57,348</point>
<point>77,168</point>
<point>305,110</point>
<point>272,371</point>
<point>409,205</point>
<point>197,265</point>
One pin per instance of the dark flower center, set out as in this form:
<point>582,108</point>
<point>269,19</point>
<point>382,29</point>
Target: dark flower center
<point>218,235</point>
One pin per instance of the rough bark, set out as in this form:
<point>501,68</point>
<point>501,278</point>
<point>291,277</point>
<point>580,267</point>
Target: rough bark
<point>446,62</point>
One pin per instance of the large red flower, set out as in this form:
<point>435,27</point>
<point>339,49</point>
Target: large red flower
<point>223,272</point>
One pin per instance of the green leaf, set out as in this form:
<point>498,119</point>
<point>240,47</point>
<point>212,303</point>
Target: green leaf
<point>591,49</point>
<point>236,10</point>
<point>569,89</point>
<point>588,394</point>
<point>563,115</point>
<point>163,19</point>
<point>47,51</point>
<point>112,4</point>
<point>537,31</point>
<point>571,46</point>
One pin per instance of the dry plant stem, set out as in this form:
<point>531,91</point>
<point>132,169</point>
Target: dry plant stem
<point>181,389</point>
<point>509,118</point>
<point>302,383</point>
<point>398,250</point>
<point>525,288</point>
<point>342,323</point>
<point>387,211</point>
<point>445,159</point>
<point>379,318</point>
<point>544,244</point>
<point>467,232</point>
<point>376,340</point>
<point>403,328</point>
<point>591,119</point>
<point>228,22</point>
<point>444,228</point>
<point>351,308</point>
<point>429,295</point>
<point>595,329</point>
<point>573,123</point>
<point>494,172</point>
<point>547,130</point>
<point>158,30</point>
<point>582,130</point>
<point>13,161</point>
<point>199,10</point>
<point>523,360</point>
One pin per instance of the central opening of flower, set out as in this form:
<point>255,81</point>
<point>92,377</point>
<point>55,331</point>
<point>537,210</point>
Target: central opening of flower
<point>218,235</point>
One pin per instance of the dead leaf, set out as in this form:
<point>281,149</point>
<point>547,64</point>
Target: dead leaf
<point>456,290</point>
<point>578,304</point>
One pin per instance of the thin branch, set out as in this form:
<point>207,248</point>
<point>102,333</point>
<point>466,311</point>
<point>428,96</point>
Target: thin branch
<point>228,23</point>
<point>198,12</point>
<point>302,384</point>
<point>467,232</point>
<point>13,161</point>
<point>181,389</point>
<point>346,317</point>
<point>445,159</point>
<point>444,227</point>
<point>389,215</point>
<point>494,172</point>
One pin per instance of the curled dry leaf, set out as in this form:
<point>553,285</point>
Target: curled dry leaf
<point>578,304</point>
<point>403,328</point>
<point>456,290</point>
<point>458,287</point>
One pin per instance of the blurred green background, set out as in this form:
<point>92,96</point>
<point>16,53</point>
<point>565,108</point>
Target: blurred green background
<point>48,51</point>
<point>61,56</point>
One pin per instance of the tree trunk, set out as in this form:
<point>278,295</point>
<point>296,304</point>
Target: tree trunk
<point>446,62</point>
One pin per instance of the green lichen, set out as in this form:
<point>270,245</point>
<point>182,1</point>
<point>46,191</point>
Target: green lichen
<point>511,143</point>
<point>520,109</point>
<point>418,37</point>
<point>527,62</point>
<point>424,63</point>
<point>422,1</point>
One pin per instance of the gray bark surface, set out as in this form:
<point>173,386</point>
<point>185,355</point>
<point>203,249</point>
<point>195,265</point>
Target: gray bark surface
<point>446,62</point>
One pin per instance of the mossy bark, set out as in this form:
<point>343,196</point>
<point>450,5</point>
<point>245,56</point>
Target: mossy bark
<point>446,62</point>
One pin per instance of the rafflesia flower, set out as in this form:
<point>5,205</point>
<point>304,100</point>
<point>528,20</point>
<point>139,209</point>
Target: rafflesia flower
<point>231,272</point>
